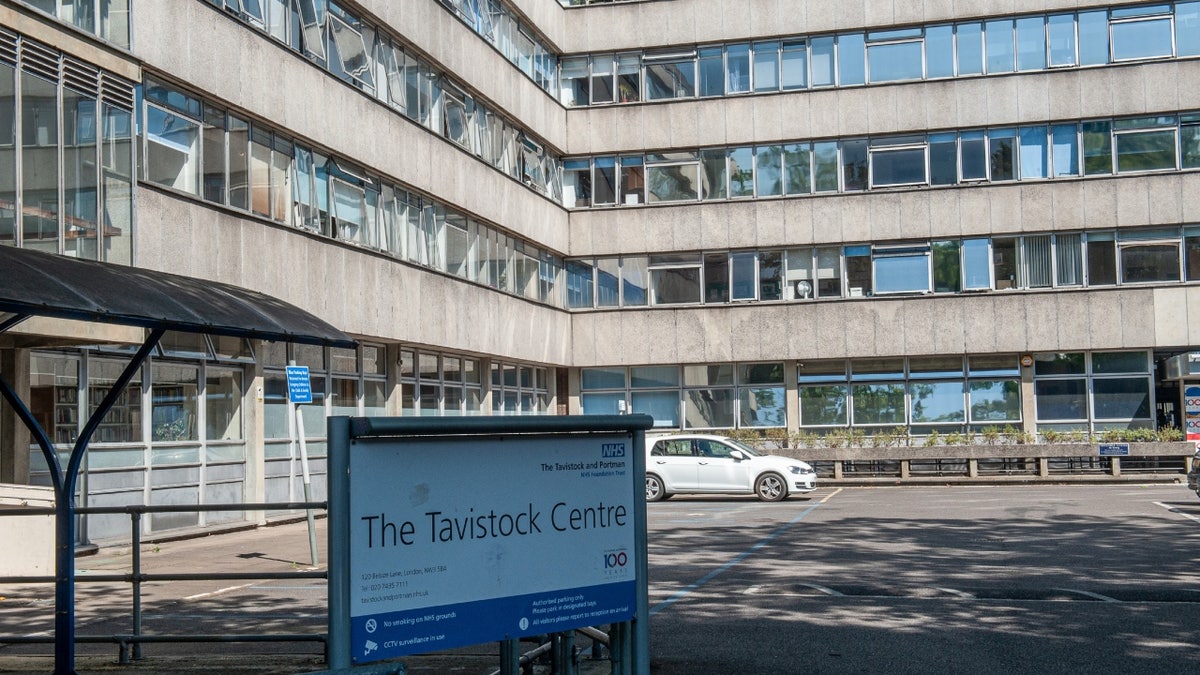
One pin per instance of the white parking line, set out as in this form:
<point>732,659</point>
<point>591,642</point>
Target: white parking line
<point>1176,511</point>
<point>216,592</point>
<point>1089,594</point>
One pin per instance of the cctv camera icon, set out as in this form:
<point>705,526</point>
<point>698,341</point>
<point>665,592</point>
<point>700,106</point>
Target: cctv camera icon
<point>370,647</point>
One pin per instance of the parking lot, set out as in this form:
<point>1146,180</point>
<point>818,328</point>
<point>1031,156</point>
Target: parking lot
<point>1038,579</point>
<point>954,579</point>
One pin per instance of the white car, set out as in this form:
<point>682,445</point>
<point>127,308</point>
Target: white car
<point>704,464</point>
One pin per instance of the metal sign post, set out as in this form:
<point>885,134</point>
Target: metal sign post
<point>447,532</point>
<point>300,391</point>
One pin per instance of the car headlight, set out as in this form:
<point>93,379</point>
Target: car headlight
<point>801,469</point>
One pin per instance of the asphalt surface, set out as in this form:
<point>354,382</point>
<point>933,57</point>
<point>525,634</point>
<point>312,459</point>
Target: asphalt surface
<point>1013,580</point>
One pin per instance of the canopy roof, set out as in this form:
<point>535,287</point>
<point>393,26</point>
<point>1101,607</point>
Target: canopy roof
<point>42,284</point>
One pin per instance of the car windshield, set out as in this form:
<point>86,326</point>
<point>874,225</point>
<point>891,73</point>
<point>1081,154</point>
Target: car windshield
<point>742,446</point>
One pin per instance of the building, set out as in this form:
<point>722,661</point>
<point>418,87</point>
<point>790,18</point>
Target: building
<point>762,214</point>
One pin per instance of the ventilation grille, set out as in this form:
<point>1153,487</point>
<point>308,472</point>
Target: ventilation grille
<point>81,77</point>
<point>117,91</point>
<point>39,60</point>
<point>8,47</point>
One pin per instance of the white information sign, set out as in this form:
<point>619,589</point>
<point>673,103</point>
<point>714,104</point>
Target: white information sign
<point>460,541</point>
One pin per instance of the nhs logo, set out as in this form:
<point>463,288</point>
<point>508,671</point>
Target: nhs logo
<point>610,450</point>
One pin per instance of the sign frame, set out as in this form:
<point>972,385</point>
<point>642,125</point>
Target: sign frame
<point>372,439</point>
<point>1113,449</point>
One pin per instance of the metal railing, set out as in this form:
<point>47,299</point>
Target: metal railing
<point>132,642</point>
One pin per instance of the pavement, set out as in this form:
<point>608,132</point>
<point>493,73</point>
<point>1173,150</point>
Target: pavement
<point>202,609</point>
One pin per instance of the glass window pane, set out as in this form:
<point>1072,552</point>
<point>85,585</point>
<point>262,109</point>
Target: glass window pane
<point>1061,31</point>
<point>878,404</point>
<point>708,408</point>
<point>1189,146</point>
<point>716,277</point>
<point>675,286</point>
<point>902,273</point>
<point>1141,39</point>
<point>737,68</point>
<point>1145,151</point>
<point>741,172</point>
<point>663,406</point>
<point>1001,143</point>
<point>672,79</point>
<point>1059,364</point>
<point>936,402</point>
<point>1187,28</point>
<point>743,275</point>
<point>1000,49</point>
<point>904,166</point>
<point>939,51</point>
<point>763,407</point>
<point>895,61</point>
<point>633,281</point>
<point>851,56</point>
<point>1101,261</point>
<point>947,269</point>
<point>1093,38</point>
<point>672,183</point>
<point>1035,156</point>
<point>714,375</point>
<point>970,48</point>
<point>995,401</point>
<point>1031,43</point>
<point>1097,147</point>
<point>1119,362</point>
<point>766,66</point>
<point>1065,139</point>
<point>943,159</point>
<point>1144,263</point>
<point>1121,398</point>
<point>653,376</point>
<point>768,167</point>
<point>602,378</point>
<point>174,404</point>
<point>601,404</point>
<point>797,162</point>
<point>854,165</point>
<point>770,275</point>
<point>172,149</point>
<point>823,405</point>
<point>794,65</point>
<point>1061,400</point>
<point>712,72</point>
<point>976,264</point>
<point>973,148</point>
<point>822,61</point>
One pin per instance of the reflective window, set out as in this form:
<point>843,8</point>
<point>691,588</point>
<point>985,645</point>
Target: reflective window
<point>895,55</point>
<point>1141,32</point>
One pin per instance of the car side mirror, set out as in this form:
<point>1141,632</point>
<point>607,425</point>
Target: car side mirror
<point>737,454</point>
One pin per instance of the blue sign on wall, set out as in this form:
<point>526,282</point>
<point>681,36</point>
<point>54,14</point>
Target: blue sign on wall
<point>299,385</point>
<point>1114,449</point>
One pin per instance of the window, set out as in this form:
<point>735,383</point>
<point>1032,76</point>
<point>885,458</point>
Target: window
<point>970,48</point>
<point>762,397</point>
<point>1031,43</point>
<point>1000,46</point>
<point>711,74</point>
<point>895,55</point>
<point>709,396</point>
<point>670,75</point>
<point>1142,32</point>
<point>851,59</point>
<point>901,269</point>
<point>672,177</point>
<point>898,161</point>
<point>737,69</point>
<point>1149,256</point>
<point>768,168</point>
<point>674,279</point>
<point>766,66</point>
<point>1060,31</point>
<point>794,65</point>
<point>1145,143</point>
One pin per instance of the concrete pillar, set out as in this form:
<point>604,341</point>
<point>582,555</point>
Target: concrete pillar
<point>793,398</point>
<point>255,488</point>
<point>14,437</point>
<point>1028,409</point>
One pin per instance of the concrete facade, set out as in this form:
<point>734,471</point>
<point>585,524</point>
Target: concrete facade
<point>409,309</point>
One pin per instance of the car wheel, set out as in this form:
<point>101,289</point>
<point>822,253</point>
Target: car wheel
<point>770,487</point>
<point>655,490</point>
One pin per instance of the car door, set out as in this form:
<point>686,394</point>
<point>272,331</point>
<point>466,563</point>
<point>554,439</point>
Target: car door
<point>718,471</point>
<point>674,460</point>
